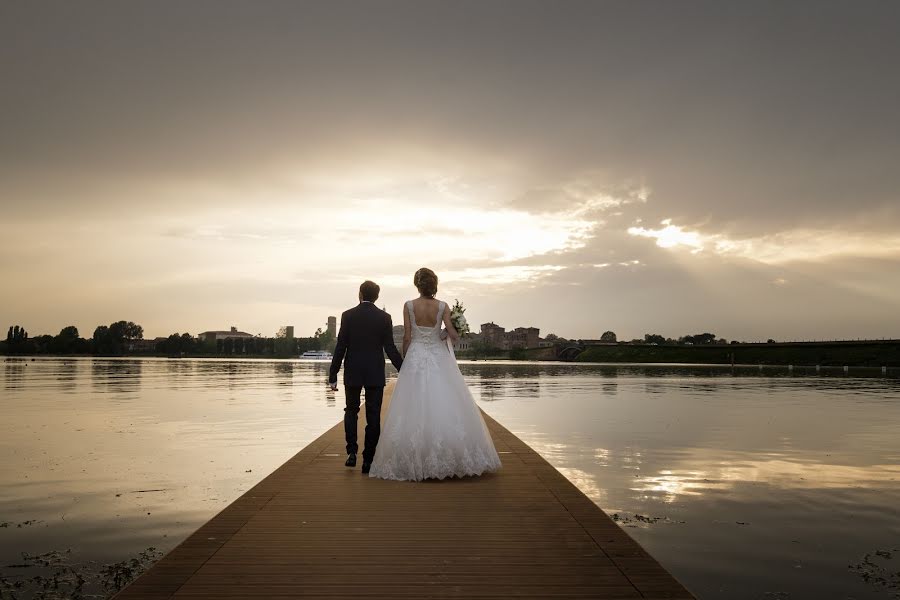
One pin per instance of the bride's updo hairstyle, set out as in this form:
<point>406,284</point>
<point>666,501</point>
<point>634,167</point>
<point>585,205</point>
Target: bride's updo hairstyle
<point>426,282</point>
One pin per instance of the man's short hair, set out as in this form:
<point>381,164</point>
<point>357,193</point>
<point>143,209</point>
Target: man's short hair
<point>369,291</point>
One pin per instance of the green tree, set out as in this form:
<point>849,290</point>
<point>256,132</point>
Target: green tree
<point>124,331</point>
<point>285,347</point>
<point>70,332</point>
<point>113,340</point>
<point>608,336</point>
<point>480,348</point>
<point>17,341</point>
<point>103,343</point>
<point>67,342</point>
<point>698,339</point>
<point>518,354</point>
<point>41,344</point>
<point>654,338</point>
<point>101,340</point>
<point>325,340</point>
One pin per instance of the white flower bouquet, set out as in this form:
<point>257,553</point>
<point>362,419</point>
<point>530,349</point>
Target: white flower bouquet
<point>458,318</point>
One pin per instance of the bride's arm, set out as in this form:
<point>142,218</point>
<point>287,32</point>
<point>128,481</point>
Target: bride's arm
<point>448,326</point>
<point>407,330</point>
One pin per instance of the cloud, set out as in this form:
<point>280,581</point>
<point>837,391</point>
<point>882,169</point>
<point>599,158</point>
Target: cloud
<point>538,158</point>
<point>781,247</point>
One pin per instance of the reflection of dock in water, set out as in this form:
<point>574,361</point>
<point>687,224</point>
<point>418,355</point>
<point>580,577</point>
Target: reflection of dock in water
<point>316,529</point>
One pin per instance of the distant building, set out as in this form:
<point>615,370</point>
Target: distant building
<point>495,336</point>
<point>332,327</point>
<point>524,337</point>
<point>222,335</point>
<point>289,332</point>
<point>466,342</point>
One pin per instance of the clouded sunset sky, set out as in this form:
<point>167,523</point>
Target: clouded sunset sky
<point>665,167</point>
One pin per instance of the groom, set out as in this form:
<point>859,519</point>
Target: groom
<point>366,333</point>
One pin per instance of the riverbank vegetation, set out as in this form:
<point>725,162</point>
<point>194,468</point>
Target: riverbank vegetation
<point>126,338</point>
<point>859,354</point>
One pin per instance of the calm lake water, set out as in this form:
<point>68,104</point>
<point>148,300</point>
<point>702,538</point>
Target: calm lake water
<point>743,484</point>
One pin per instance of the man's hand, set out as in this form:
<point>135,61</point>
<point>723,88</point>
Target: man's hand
<point>332,386</point>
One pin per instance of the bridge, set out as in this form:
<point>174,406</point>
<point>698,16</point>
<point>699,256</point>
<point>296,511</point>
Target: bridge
<point>566,351</point>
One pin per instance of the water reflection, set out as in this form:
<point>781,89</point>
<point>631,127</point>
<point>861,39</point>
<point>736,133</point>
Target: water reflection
<point>121,376</point>
<point>139,453</point>
<point>284,372</point>
<point>746,482</point>
<point>745,485</point>
<point>14,373</point>
<point>781,473</point>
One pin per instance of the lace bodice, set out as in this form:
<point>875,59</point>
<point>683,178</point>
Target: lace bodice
<point>430,336</point>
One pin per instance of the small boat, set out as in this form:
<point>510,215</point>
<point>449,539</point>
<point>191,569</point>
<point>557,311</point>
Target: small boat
<point>317,355</point>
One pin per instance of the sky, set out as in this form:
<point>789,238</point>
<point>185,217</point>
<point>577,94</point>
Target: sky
<point>640,167</point>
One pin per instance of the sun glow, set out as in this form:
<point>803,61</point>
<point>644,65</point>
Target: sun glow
<point>782,247</point>
<point>380,235</point>
<point>670,236</point>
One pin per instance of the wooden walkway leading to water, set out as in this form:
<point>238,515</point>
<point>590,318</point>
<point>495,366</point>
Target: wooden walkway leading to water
<point>316,529</point>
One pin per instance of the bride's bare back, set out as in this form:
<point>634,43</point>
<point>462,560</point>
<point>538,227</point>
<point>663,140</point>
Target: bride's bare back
<point>426,310</point>
<point>425,313</point>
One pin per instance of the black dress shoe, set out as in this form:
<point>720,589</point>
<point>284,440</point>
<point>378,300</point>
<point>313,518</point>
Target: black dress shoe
<point>351,460</point>
<point>366,467</point>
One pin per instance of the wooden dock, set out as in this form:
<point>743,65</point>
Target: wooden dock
<point>316,529</point>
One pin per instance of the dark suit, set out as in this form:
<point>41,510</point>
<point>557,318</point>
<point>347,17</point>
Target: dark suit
<point>365,335</point>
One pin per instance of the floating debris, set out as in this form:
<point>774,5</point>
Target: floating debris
<point>53,576</point>
<point>636,518</point>
<point>7,524</point>
<point>874,570</point>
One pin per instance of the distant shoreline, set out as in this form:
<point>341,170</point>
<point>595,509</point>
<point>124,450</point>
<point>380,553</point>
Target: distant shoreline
<point>874,354</point>
<point>805,357</point>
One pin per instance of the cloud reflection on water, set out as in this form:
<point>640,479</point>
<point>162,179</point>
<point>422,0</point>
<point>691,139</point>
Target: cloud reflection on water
<point>809,462</point>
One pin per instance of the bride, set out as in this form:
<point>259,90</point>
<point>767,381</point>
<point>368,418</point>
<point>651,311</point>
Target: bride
<point>432,429</point>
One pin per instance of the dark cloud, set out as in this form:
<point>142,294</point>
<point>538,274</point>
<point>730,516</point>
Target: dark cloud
<point>751,115</point>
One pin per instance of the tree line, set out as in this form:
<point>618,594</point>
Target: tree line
<point>126,338</point>
<point>655,339</point>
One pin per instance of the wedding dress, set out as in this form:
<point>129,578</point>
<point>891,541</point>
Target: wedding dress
<point>433,428</point>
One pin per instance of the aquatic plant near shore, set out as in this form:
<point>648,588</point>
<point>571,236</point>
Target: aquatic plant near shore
<point>627,521</point>
<point>873,569</point>
<point>54,576</point>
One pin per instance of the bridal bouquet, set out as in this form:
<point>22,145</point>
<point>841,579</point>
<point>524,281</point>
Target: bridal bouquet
<point>458,318</point>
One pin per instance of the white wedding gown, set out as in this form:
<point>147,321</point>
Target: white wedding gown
<point>433,428</point>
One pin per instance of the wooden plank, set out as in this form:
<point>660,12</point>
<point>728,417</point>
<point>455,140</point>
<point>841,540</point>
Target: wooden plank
<point>315,529</point>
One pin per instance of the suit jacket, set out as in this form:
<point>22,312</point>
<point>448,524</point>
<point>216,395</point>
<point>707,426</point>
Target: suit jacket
<point>366,333</point>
